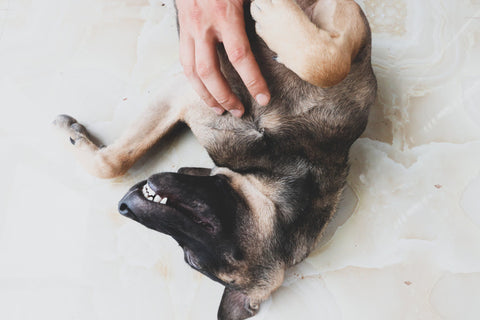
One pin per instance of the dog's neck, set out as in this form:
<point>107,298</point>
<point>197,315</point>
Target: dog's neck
<point>257,195</point>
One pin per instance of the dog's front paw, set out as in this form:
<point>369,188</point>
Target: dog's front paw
<point>75,130</point>
<point>64,121</point>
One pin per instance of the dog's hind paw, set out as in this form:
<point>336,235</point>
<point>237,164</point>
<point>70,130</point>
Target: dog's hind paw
<point>286,30</point>
<point>280,23</point>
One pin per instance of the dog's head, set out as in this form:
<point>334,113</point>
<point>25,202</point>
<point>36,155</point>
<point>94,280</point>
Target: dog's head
<point>217,228</point>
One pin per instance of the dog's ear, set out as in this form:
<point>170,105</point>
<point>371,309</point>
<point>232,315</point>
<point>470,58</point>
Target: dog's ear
<point>195,171</point>
<point>235,305</point>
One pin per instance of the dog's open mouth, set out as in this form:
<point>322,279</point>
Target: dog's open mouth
<point>161,198</point>
<point>151,195</point>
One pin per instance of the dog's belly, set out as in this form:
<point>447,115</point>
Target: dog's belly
<point>303,122</point>
<point>311,130</point>
<point>264,143</point>
<point>231,142</point>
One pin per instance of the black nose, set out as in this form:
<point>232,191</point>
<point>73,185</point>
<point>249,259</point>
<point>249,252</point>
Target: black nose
<point>123,208</point>
<point>124,205</point>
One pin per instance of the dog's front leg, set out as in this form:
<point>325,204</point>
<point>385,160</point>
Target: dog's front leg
<point>318,44</point>
<point>114,160</point>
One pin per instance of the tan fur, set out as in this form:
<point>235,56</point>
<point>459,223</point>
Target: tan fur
<point>229,277</point>
<point>118,157</point>
<point>154,122</point>
<point>272,121</point>
<point>328,44</point>
<point>257,196</point>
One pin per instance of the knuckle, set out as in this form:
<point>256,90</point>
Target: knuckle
<point>195,14</point>
<point>253,83</point>
<point>189,71</point>
<point>220,8</point>
<point>212,103</point>
<point>208,99</point>
<point>226,101</point>
<point>238,54</point>
<point>204,70</point>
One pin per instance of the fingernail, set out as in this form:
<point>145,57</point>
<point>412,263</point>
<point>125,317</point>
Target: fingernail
<point>262,99</point>
<point>218,110</point>
<point>236,113</point>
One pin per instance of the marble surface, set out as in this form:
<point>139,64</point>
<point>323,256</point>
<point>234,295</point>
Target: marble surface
<point>407,244</point>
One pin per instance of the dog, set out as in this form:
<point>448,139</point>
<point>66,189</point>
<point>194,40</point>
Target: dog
<point>279,170</point>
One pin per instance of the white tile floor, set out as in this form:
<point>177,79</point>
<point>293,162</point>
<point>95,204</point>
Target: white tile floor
<point>410,248</point>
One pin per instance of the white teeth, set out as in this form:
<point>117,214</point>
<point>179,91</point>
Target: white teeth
<point>149,190</point>
<point>150,195</point>
<point>144,190</point>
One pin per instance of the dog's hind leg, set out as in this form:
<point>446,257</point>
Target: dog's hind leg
<point>114,160</point>
<point>318,44</point>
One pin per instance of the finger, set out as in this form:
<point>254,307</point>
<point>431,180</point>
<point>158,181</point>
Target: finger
<point>240,55</point>
<point>208,69</point>
<point>187,59</point>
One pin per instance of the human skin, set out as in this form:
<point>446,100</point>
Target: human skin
<point>204,24</point>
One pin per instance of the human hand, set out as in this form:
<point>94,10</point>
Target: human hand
<point>203,24</point>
